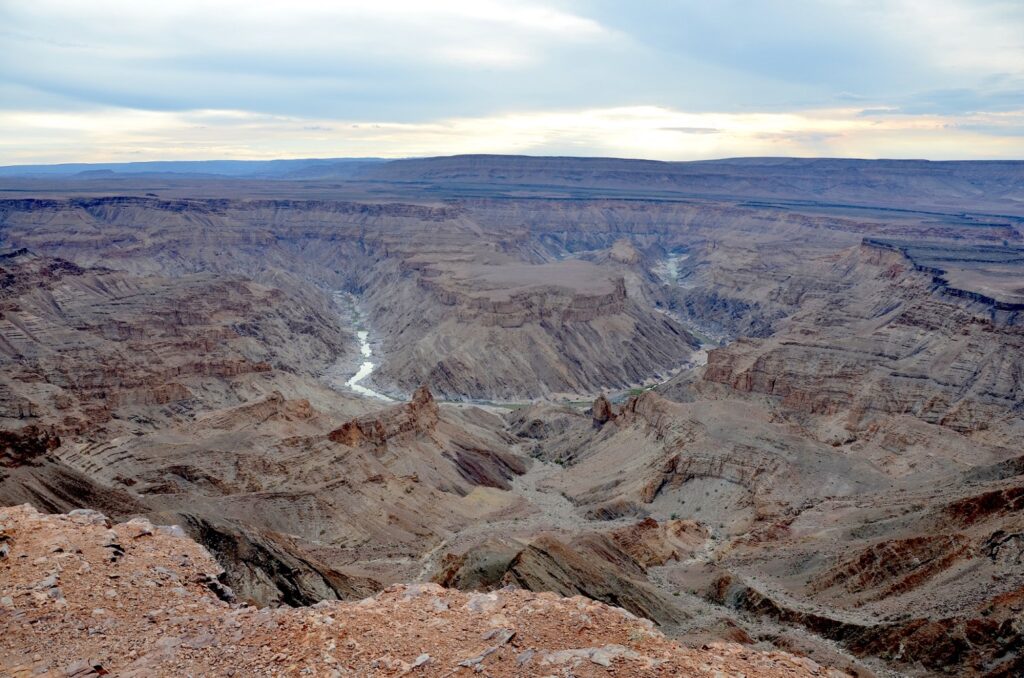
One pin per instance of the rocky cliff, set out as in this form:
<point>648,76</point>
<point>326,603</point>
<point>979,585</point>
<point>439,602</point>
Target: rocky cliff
<point>891,343</point>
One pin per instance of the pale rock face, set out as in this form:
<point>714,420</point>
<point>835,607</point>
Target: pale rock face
<point>88,517</point>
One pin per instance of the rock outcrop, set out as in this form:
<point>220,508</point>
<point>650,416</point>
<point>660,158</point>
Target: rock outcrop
<point>26,447</point>
<point>601,411</point>
<point>419,415</point>
<point>153,605</point>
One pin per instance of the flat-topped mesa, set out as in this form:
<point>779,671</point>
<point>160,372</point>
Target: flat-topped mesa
<point>532,305</point>
<point>419,415</point>
<point>979,276</point>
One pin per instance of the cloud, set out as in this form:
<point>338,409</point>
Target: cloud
<point>529,71</point>
<point>638,131</point>
<point>396,59</point>
<point>692,130</point>
<point>964,100</point>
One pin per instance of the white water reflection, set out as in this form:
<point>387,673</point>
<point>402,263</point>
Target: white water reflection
<point>364,343</point>
<point>668,268</point>
<point>365,369</point>
<point>344,367</point>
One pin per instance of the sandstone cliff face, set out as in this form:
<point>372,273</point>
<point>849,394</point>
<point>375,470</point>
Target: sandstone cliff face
<point>83,347</point>
<point>890,345</point>
<point>155,607</point>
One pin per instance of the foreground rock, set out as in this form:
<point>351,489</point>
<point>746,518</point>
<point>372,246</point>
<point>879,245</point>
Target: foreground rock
<point>82,599</point>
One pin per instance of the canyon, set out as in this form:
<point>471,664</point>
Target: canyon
<point>774,406</point>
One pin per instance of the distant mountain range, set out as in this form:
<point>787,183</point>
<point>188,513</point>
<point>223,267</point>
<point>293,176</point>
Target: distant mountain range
<point>994,187</point>
<point>225,168</point>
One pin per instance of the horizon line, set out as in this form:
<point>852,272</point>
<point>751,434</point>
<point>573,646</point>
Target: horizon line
<point>503,155</point>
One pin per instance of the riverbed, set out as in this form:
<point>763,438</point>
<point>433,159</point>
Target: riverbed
<point>347,374</point>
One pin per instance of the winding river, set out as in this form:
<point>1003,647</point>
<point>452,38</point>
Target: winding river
<point>336,375</point>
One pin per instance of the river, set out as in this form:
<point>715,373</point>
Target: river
<point>344,374</point>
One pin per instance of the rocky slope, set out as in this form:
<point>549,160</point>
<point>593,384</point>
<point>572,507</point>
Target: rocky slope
<point>512,331</point>
<point>748,513</point>
<point>81,598</point>
<point>196,400</point>
<point>299,505</point>
<point>931,579</point>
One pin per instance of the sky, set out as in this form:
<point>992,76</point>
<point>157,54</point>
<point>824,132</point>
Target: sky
<point>110,80</point>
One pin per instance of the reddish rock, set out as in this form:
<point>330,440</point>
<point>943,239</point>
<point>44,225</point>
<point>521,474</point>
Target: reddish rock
<point>602,411</point>
<point>184,626</point>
